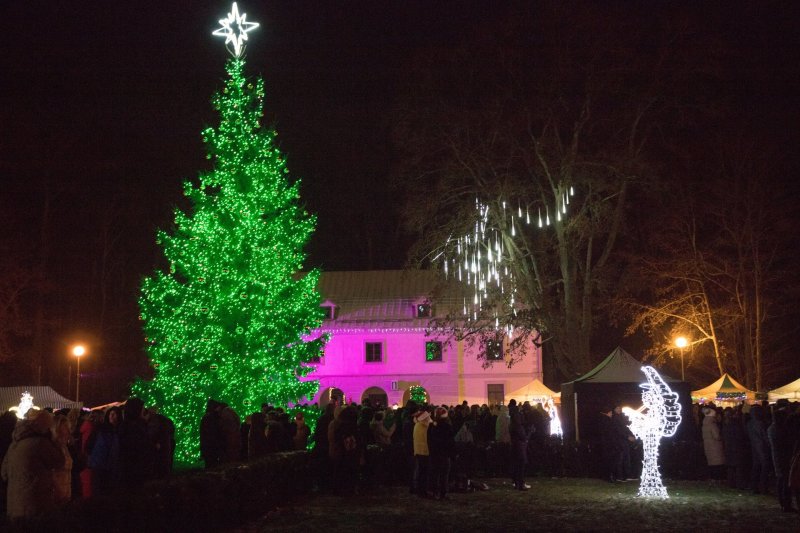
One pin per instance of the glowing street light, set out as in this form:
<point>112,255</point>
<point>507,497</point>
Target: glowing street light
<point>79,350</point>
<point>681,343</point>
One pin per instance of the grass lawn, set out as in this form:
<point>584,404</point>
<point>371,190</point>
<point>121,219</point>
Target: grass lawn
<point>562,505</point>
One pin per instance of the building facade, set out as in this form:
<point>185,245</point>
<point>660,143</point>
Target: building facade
<point>379,345</point>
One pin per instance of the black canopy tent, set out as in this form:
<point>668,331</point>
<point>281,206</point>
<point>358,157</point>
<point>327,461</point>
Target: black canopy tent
<point>615,380</point>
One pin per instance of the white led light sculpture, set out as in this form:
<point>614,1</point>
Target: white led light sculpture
<point>555,422</point>
<point>658,417</point>
<point>25,405</point>
<point>234,29</point>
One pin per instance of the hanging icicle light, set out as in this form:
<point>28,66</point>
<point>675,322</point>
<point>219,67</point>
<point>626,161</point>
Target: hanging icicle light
<point>477,256</point>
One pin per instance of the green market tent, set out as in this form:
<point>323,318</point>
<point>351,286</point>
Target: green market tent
<point>725,389</point>
<point>43,396</point>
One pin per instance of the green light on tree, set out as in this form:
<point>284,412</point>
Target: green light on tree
<point>228,317</point>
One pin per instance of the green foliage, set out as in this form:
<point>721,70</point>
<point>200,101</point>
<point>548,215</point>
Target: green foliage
<point>229,318</point>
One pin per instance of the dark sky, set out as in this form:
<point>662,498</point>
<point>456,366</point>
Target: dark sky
<point>102,105</point>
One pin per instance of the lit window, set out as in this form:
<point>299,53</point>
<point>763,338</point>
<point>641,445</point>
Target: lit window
<point>433,351</point>
<point>374,352</point>
<point>494,350</point>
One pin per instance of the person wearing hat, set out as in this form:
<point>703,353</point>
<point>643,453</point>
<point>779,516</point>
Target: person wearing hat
<point>28,467</point>
<point>422,422</point>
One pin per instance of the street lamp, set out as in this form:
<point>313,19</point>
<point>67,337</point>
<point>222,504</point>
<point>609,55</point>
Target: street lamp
<point>682,343</point>
<point>78,351</point>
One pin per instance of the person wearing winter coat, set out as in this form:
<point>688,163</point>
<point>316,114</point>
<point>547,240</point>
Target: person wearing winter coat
<point>502,437</point>
<point>734,443</point>
<point>28,467</point>
<point>442,447</point>
<point>347,438</point>
<point>104,456</point>
<point>136,448</point>
<point>62,477</point>
<point>783,438</point>
<point>712,443</point>
<point>422,422</point>
<point>520,433</point>
<point>380,433</point>
<point>759,447</point>
<point>301,432</point>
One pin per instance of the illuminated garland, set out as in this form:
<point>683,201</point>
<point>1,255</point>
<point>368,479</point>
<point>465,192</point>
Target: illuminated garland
<point>658,417</point>
<point>227,318</point>
<point>418,394</point>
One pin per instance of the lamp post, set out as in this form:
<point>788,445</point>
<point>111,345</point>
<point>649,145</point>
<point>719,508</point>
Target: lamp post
<point>78,351</point>
<point>682,343</point>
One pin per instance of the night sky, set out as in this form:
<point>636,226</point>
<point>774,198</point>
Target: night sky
<point>102,105</point>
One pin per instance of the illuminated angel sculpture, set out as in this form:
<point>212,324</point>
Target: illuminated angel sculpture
<point>25,405</point>
<point>658,417</point>
<point>555,422</point>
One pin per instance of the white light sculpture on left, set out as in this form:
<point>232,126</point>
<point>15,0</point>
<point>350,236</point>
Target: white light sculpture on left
<point>658,417</point>
<point>25,405</point>
<point>555,422</point>
<point>234,29</point>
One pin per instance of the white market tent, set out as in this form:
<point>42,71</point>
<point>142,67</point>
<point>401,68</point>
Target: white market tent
<point>534,392</point>
<point>725,389</point>
<point>787,392</point>
<point>43,396</point>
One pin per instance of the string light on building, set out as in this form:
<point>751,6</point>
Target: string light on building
<point>658,417</point>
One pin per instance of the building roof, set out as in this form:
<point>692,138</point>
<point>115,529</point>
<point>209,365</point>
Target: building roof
<point>384,299</point>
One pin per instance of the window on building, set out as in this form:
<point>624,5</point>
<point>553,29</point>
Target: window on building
<point>374,352</point>
<point>496,393</point>
<point>328,312</point>
<point>433,351</point>
<point>424,311</point>
<point>494,350</point>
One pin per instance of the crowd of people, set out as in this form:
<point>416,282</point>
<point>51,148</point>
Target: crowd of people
<point>754,447</point>
<point>434,449</point>
<point>50,458</point>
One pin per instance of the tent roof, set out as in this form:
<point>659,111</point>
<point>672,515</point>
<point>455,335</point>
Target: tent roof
<point>43,396</point>
<point>790,391</point>
<point>618,367</point>
<point>725,385</point>
<point>534,389</point>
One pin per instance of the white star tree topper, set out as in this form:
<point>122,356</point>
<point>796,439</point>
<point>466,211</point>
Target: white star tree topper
<point>234,29</point>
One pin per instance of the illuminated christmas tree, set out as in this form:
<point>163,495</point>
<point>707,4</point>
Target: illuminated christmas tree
<point>229,317</point>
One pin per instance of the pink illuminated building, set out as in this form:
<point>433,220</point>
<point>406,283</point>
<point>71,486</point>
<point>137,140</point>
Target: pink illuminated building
<point>378,345</point>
